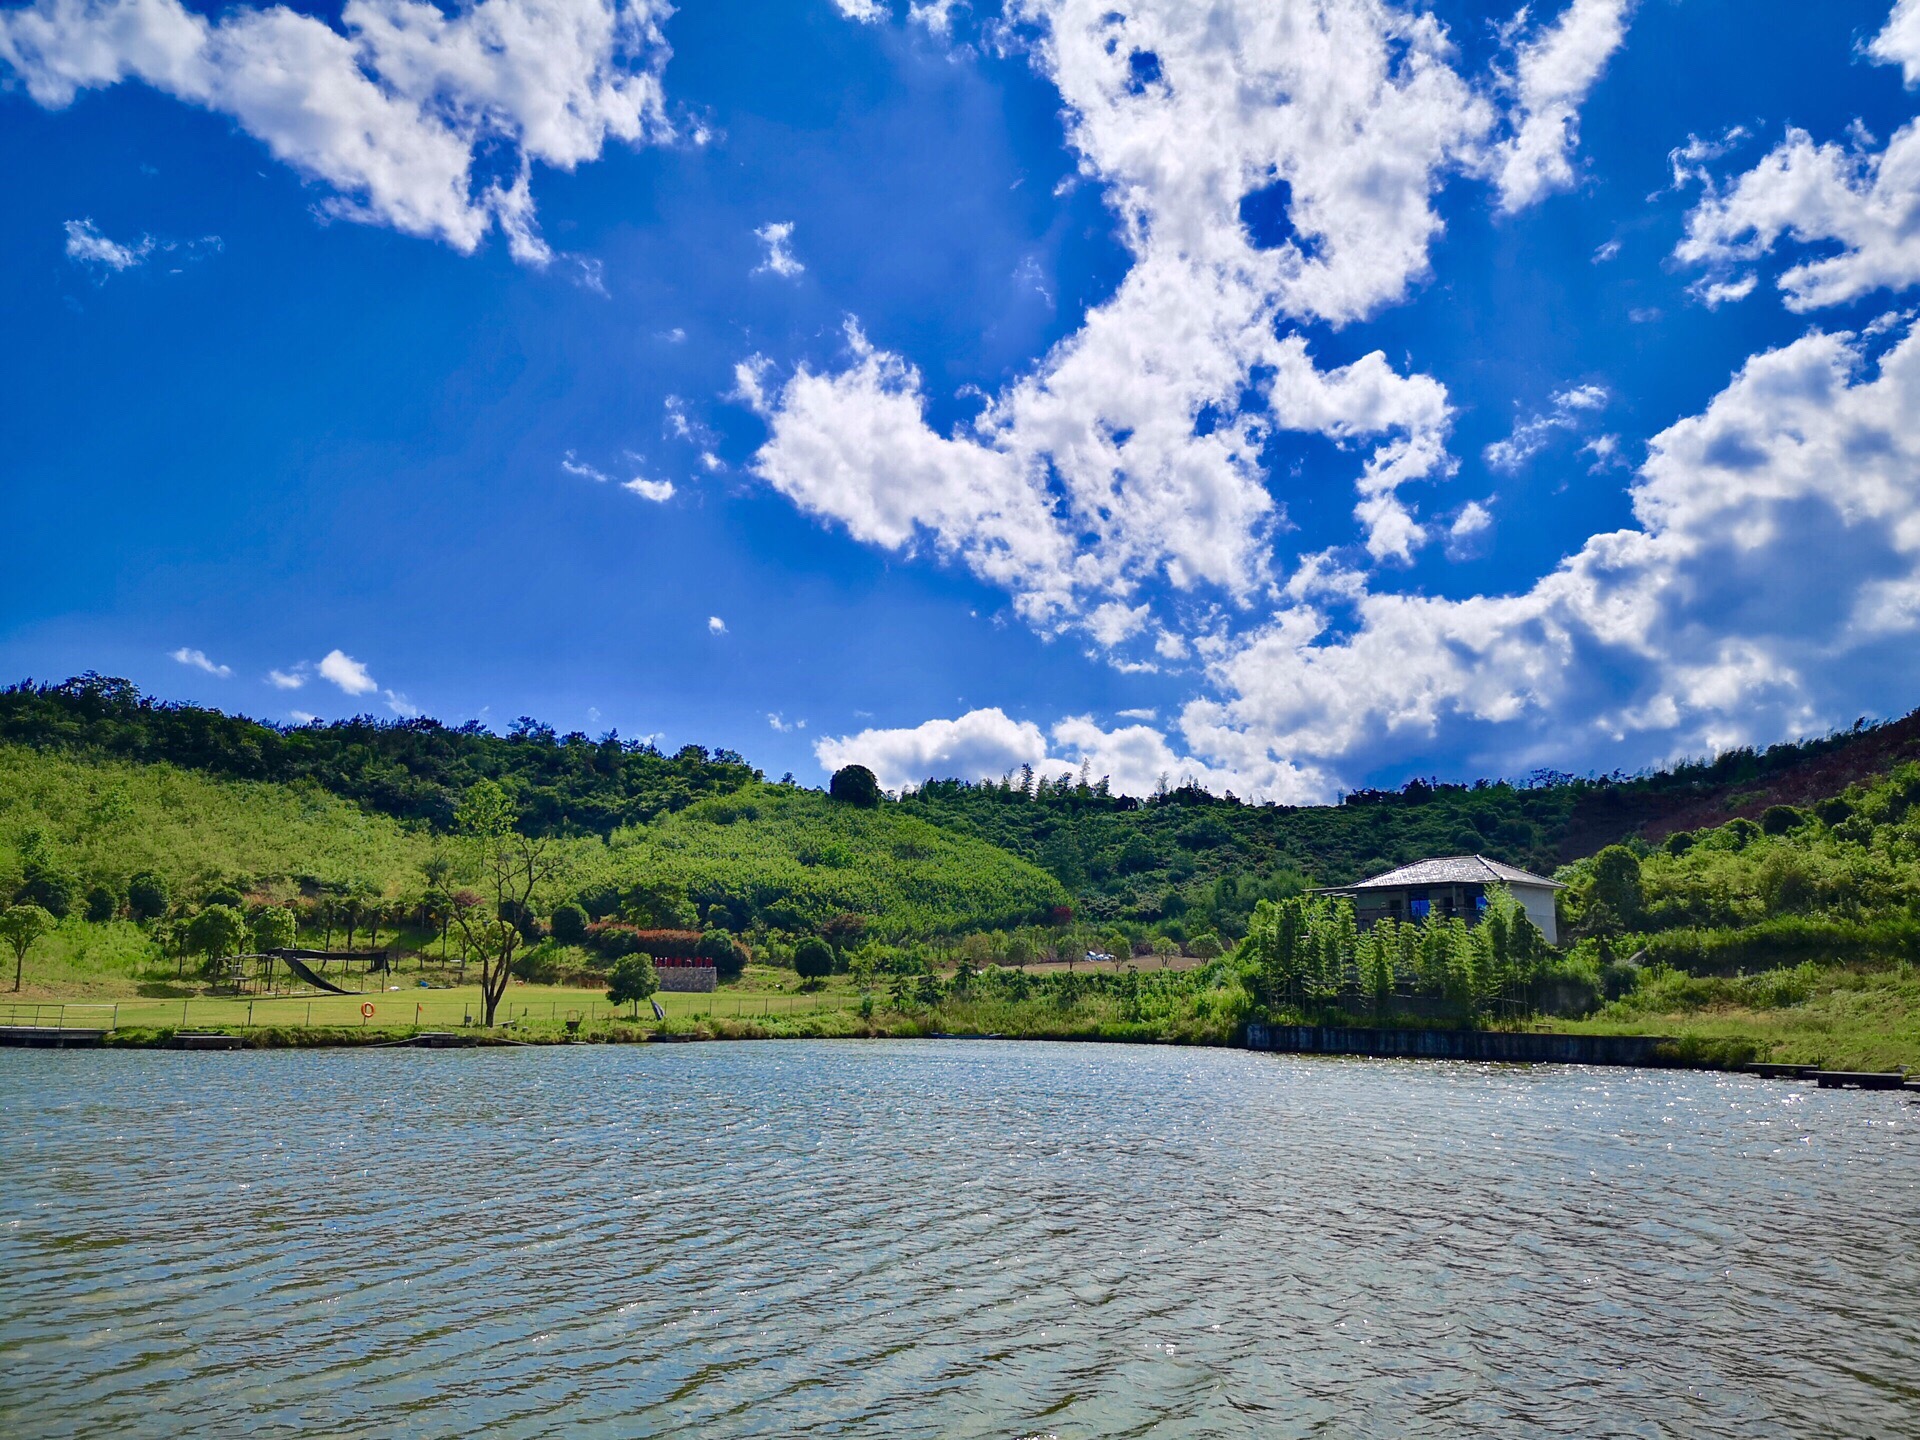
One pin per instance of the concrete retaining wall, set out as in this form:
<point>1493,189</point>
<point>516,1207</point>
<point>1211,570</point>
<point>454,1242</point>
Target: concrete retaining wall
<point>1457,1044</point>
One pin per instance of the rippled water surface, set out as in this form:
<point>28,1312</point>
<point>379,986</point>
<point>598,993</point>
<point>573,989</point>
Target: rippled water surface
<point>945,1238</point>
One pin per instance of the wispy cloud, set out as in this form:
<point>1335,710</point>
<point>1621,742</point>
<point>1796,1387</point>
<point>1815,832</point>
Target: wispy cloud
<point>579,467</point>
<point>87,246</point>
<point>197,660</point>
<point>290,679</point>
<point>715,625</point>
<point>658,491</point>
<point>778,238</point>
<point>1530,436</point>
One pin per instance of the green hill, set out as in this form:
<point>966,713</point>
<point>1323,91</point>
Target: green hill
<point>784,858</point>
<point>765,857</point>
<point>947,855</point>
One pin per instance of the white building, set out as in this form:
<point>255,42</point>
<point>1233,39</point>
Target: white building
<point>1455,885</point>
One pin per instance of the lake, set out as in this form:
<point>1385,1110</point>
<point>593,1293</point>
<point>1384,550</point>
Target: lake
<point>944,1239</point>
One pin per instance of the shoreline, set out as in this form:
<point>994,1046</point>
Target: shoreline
<point>1533,1047</point>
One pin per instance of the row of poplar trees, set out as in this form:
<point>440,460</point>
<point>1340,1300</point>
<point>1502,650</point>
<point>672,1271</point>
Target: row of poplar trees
<point>1308,953</point>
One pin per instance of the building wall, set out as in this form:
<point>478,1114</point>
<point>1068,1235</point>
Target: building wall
<point>1537,901</point>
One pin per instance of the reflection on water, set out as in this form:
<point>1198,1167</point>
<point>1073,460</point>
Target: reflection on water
<point>945,1239</point>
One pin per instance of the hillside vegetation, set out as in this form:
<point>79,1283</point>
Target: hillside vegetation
<point>102,821</point>
<point>782,858</point>
<point>766,857</point>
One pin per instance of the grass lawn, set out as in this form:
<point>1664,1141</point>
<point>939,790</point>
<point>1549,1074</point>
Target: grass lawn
<point>121,996</point>
<point>1853,1020</point>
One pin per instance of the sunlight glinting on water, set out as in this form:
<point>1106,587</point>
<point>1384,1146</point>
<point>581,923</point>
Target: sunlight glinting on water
<point>945,1239</point>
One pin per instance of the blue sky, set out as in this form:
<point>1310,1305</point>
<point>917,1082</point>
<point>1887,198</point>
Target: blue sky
<point>839,380</point>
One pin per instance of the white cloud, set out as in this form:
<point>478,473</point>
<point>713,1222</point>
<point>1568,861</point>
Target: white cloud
<point>392,111</point>
<point>346,672</point>
<point>1821,195</point>
<point>1605,252</point>
<point>400,705</point>
<point>1469,527</point>
<point>1853,197</point>
<point>716,626</point>
<point>582,469</point>
<point>301,717</point>
<point>87,246</point>
<point>778,238</point>
<point>986,744</point>
<point>780,723</point>
<point>936,15</point>
<point>659,491</point>
<point>197,659</point>
<point>1530,436</point>
<point>1772,582</point>
<point>1130,458</point>
<point>865,11</point>
<point>1146,714</point>
<point>288,679</point>
<point>1553,73</point>
<point>1899,43</point>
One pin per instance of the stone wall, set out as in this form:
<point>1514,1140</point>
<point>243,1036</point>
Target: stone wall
<point>699,979</point>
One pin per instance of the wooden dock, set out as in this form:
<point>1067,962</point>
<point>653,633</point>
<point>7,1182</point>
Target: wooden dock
<point>1500,1046</point>
<point>51,1037</point>
<point>1860,1079</point>
<point>1780,1072</point>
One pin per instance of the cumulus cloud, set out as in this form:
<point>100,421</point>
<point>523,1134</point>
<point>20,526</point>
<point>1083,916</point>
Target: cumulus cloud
<point>87,246</point>
<point>1854,202</point>
<point>197,660</point>
<point>1553,73</point>
<point>1829,195</point>
<point>988,743</point>
<point>1899,43</point>
<point>421,118</point>
<point>1130,458</point>
<point>347,673</point>
<point>778,239</point>
<point>1773,575</point>
<point>657,491</point>
<point>716,626</point>
<point>1566,411</point>
<point>292,679</point>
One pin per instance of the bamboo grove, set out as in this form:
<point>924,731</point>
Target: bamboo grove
<point>1307,955</point>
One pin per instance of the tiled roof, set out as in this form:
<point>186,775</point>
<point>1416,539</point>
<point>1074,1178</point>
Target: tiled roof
<point>1453,870</point>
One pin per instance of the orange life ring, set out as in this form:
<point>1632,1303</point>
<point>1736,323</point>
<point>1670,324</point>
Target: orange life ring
<point>366,1011</point>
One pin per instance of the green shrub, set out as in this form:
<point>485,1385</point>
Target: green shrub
<point>148,896</point>
<point>102,904</point>
<point>855,785</point>
<point>1779,819</point>
<point>813,959</point>
<point>569,924</point>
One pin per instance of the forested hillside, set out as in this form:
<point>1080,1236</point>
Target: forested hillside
<point>118,782</point>
<point>76,835</point>
<point>410,769</point>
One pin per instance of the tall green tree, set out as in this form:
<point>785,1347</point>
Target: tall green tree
<point>274,928</point>
<point>512,869</point>
<point>20,926</point>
